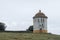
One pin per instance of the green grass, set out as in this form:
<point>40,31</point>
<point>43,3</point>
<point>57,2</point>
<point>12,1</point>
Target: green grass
<point>27,36</point>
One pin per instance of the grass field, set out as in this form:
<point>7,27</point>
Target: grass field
<point>27,36</point>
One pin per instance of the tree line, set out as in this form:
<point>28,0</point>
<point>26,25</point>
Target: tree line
<point>3,26</point>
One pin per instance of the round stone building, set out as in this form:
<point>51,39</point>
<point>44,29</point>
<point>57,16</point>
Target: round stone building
<point>40,23</point>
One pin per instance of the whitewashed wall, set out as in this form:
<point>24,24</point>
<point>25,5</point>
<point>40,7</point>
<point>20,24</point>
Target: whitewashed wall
<point>36,24</point>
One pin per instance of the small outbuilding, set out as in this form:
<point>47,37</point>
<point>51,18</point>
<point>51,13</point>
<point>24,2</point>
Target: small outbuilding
<point>40,23</point>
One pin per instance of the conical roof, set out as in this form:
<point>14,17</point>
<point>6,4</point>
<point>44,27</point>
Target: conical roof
<point>40,14</point>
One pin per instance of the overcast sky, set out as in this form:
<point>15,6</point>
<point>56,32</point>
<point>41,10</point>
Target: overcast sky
<point>17,14</point>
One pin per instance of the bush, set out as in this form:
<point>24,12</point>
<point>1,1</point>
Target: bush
<point>2,26</point>
<point>30,28</point>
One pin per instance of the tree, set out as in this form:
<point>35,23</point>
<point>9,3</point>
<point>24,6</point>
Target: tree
<point>2,26</point>
<point>30,28</point>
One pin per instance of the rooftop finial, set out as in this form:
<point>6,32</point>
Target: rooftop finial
<point>39,11</point>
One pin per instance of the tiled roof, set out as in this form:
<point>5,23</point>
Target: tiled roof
<point>40,14</point>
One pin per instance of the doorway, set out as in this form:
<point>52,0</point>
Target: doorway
<point>41,30</point>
